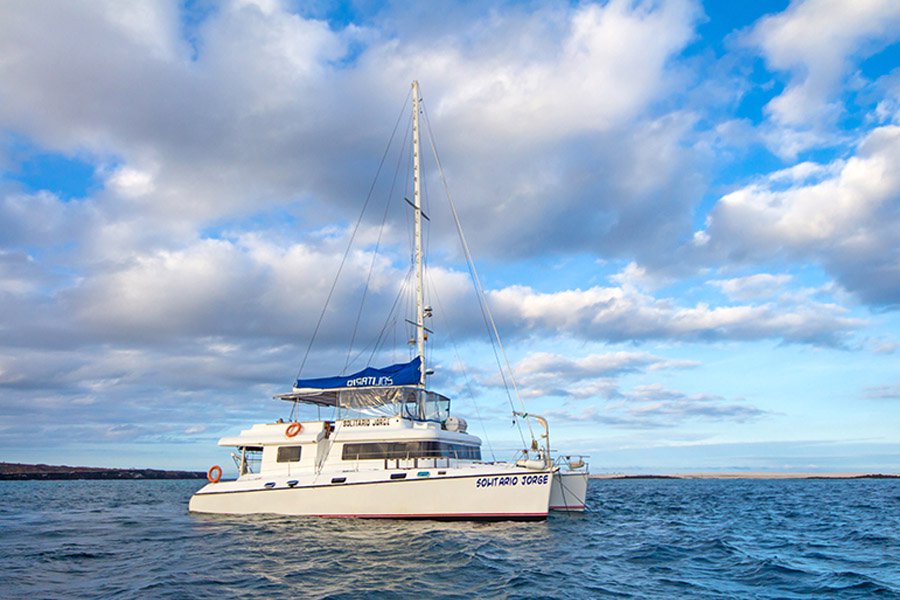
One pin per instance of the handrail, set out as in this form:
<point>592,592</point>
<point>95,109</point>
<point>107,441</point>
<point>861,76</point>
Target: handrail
<point>543,455</point>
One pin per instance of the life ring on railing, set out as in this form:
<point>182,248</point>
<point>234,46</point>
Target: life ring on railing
<point>293,429</point>
<point>218,474</point>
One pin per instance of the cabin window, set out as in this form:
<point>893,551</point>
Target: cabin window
<point>423,449</point>
<point>433,407</point>
<point>252,458</point>
<point>289,453</point>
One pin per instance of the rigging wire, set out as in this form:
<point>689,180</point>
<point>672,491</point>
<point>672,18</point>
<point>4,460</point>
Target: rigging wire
<point>387,207</point>
<point>337,276</point>
<point>410,235</point>
<point>480,293</point>
<point>465,372</point>
<point>377,345</point>
<point>426,234</point>
<point>362,302</point>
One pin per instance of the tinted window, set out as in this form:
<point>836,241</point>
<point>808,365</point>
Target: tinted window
<point>424,449</point>
<point>289,453</point>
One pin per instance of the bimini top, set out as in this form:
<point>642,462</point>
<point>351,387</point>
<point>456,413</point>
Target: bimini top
<point>400,374</point>
<point>367,389</point>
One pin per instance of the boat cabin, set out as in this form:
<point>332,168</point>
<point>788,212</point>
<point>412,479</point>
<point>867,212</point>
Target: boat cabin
<point>375,428</point>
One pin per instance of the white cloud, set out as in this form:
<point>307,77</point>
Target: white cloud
<point>245,288</point>
<point>130,182</point>
<point>594,365</point>
<point>608,66</point>
<point>37,219</point>
<point>760,285</point>
<point>848,221</point>
<point>653,401</point>
<point>198,269</point>
<point>888,108</point>
<point>19,274</point>
<point>261,113</point>
<point>819,43</point>
<point>590,389</point>
<point>653,406</point>
<point>636,276</point>
<point>880,345</point>
<point>619,314</point>
<point>804,172</point>
<point>542,374</point>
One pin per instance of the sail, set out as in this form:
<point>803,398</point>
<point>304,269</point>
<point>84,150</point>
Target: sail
<point>394,375</point>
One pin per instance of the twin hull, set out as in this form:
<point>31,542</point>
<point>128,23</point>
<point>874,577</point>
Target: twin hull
<point>506,494</point>
<point>569,491</point>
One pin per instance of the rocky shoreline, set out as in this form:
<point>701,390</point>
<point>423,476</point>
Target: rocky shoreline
<point>26,472</point>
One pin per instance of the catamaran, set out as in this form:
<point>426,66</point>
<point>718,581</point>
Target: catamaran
<point>393,448</point>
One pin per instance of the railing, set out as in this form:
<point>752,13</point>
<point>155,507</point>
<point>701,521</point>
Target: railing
<point>572,462</point>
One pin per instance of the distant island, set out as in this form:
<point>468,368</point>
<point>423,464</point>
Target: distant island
<point>19,471</point>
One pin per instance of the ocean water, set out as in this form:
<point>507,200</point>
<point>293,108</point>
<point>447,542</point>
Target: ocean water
<point>641,539</point>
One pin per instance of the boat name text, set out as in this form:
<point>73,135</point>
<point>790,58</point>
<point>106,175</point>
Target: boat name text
<point>381,422</point>
<point>484,482</point>
<point>370,381</point>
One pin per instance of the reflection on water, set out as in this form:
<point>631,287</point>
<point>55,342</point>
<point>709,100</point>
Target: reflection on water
<point>643,539</point>
<point>334,557</point>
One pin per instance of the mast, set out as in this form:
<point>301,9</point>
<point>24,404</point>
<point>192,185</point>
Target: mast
<point>417,206</point>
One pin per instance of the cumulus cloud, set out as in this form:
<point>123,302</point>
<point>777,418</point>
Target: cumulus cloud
<point>621,314</point>
<point>591,390</point>
<point>542,374</point>
<point>888,91</point>
<point>819,43</point>
<point>257,112</point>
<point>760,285</point>
<point>244,288</point>
<point>660,403</point>
<point>653,406</point>
<point>564,79</point>
<point>208,135</point>
<point>229,153</point>
<point>848,221</point>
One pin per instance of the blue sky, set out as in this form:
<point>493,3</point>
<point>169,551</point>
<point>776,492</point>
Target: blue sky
<point>685,216</point>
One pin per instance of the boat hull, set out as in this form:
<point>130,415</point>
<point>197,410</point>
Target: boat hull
<point>569,491</point>
<point>510,494</point>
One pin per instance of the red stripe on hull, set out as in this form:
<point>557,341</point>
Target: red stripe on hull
<point>442,517</point>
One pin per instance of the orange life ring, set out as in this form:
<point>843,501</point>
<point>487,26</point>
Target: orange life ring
<point>293,429</point>
<point>218,474</point>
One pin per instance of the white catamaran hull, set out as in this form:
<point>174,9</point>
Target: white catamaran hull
<point>569,491</point>
<point>499,494</point>
<point>392,448</point>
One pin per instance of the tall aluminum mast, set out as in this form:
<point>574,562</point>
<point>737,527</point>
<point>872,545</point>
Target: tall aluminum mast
<point>417,206</point>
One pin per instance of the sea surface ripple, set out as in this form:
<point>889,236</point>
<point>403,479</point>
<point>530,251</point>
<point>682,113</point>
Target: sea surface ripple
<point>641,539</point>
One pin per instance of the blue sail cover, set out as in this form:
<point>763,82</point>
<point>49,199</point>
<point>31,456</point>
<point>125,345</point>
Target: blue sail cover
<point>399,374</point>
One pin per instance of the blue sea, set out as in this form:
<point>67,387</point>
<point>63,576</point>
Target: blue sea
<point>655,538</point>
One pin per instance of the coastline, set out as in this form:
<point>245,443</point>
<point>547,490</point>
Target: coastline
<point>32,472</point>
<point>28,472</point>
